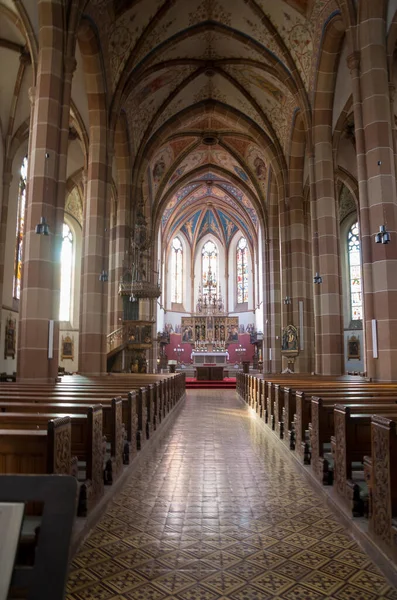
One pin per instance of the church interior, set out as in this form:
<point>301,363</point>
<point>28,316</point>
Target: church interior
<point>198,210</point>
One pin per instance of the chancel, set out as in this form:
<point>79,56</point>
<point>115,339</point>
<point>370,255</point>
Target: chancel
<point>198,275</point>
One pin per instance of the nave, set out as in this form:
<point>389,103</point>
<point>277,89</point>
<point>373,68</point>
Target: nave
<point>217,511</point>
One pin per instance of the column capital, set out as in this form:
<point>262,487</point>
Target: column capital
<point>25,58</point>
<point>110,153</point>
<point>353,61</point>
<point>84,177</point>
<point>32,94</point>
<point>70,64</point>
<point>7,178</point>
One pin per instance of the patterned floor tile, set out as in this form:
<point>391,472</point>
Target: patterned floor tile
<point>145,592</point>
<point>197,592</point>
<point>173,582</point>
<point>223,582</point>
<point>249,592</point>
<point>322,582</point>
<point>216,512</point>
<point>351,592</point>
<point>300,592</point>
<point>272,582</point>
<point>123,581</point>
<point>370,582</point>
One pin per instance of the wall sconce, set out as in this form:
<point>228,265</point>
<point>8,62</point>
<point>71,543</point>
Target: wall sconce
<point>287,300</point>
<point>317,279</point>
<point>42,228</point>
<point>132,298</point>
<point>103,276</point>
<point>383,237</point>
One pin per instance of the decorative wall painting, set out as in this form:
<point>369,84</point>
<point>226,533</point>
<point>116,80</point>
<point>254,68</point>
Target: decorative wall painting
<point>10,338</point>
<point>67,351</point>
<point>353,348</point>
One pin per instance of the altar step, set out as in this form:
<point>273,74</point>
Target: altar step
<point>228,383</point>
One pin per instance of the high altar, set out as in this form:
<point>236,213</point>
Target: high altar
<point>210,328</point>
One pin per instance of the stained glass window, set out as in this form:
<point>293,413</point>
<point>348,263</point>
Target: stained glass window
<point>177,271</point>
<point>209,267</point>
<point>242,271</point>
<point>20,229</point>
<point>66,274</point>
<point>356,302</point>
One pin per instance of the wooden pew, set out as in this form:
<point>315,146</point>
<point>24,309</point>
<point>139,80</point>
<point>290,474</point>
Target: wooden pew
<point>351,442</point>
<point>148,403</point>
<point>159,399</point>
<point>302,416</point>
<point>321,427</point>
<point>129,406</point>
<point>75,397</point>
<point>381,475</point>
<point>37,452</point>
<point>87,454</point>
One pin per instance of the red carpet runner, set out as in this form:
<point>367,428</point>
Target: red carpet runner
<point>227,383</point>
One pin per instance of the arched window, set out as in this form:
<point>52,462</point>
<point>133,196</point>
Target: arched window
<point>209,266</point>
<point>20,229</point>
<point>66,274</point>
<point>176,271</point>
<point>242,270</point>
<point>353,244</point>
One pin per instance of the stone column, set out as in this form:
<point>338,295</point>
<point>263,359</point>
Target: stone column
<point>325,232</point>
<point>285,263</point>
<point>122,229</point>
<point>366,237</point>
<point>93,319</point>
<point>379,205</point>
<point>7,179</point>
<point>301,277</point>
<point>273,279</point>
<point>39,303</point>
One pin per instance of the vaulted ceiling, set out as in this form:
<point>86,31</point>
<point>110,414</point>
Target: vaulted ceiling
<point>204,86</point>
<point>209,204</point>
<point>211,85</point>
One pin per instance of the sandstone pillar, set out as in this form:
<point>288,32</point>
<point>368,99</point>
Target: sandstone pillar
<point>379,205</point>
<point>39,305</point>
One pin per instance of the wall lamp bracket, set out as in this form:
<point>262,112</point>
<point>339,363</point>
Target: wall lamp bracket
<point>383,236</point>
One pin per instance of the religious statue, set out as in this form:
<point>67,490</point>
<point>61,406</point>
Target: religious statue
<point>187,334</point>
<point>290,346</point>
<point>290,338</point>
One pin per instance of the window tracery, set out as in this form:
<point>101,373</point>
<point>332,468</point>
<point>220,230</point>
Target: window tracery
<point>242,271</point>
<point>209,266</point>
<point>355,281</point>
<point>66,274</point>
<point>177,271</point>
<point>20,230</point>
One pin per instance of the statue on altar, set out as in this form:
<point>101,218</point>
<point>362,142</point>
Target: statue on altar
<point>290,339</point>
<point>290,347</point>
<point>232,333</point>
<point>187,335</point>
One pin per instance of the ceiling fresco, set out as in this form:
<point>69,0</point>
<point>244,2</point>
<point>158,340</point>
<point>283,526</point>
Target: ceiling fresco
<point>237,71</point>
<point>210,219</point>
<point>148,97</point>
<point>212,205</point>
<point>207,86</point>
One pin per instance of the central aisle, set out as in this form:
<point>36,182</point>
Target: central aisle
<point>217,511</point>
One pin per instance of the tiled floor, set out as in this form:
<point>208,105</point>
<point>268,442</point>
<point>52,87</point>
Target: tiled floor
<point>218,513</point>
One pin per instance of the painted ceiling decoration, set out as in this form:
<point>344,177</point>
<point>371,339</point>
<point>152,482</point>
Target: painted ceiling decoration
<point>74,205</point>
<point>210,220</point>
<point>208,188</point>
<point>208,89</point>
